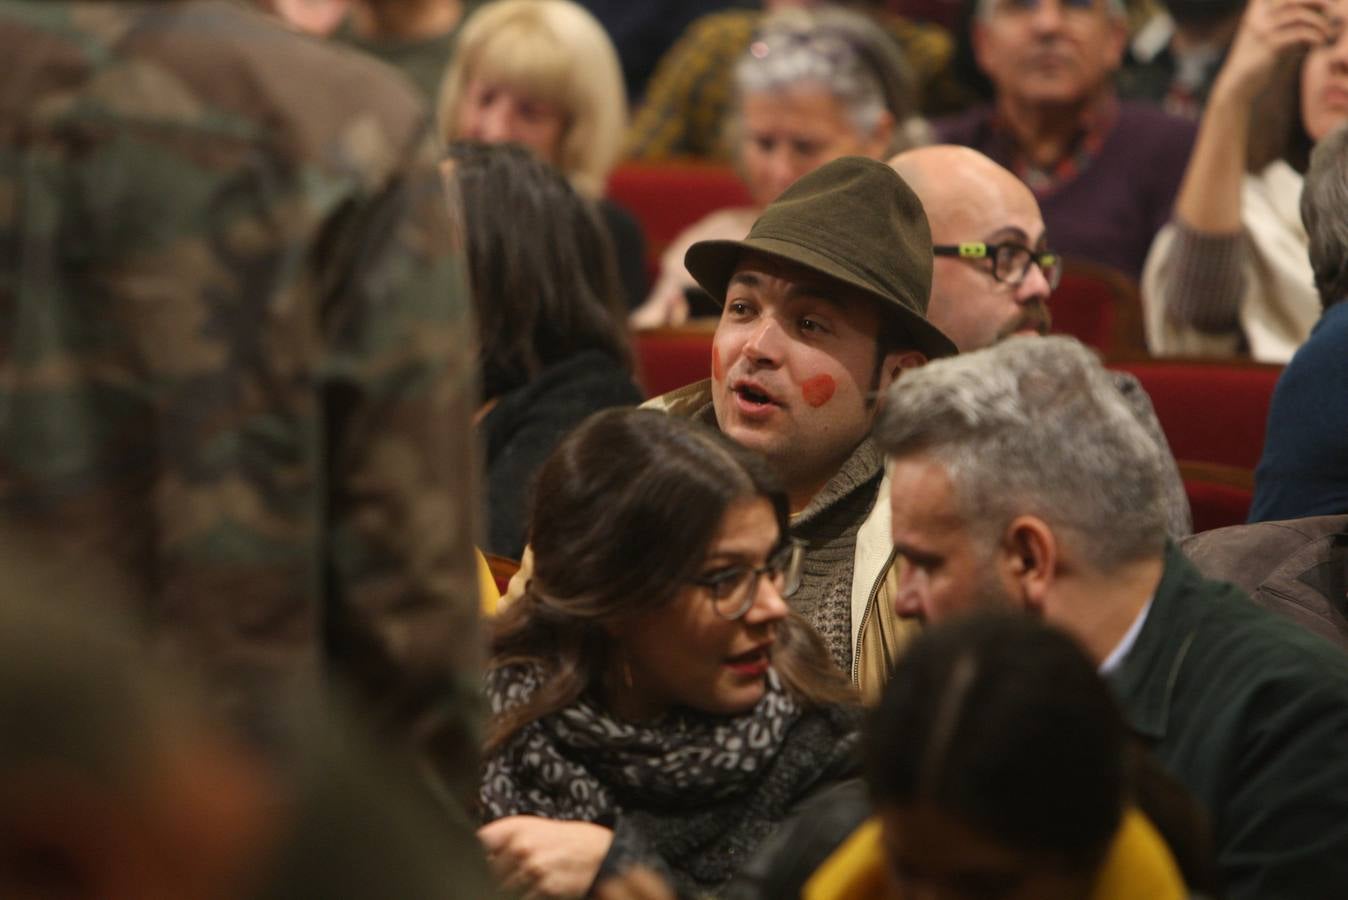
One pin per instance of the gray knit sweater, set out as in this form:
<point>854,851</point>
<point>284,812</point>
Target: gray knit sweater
<point>828,525</point>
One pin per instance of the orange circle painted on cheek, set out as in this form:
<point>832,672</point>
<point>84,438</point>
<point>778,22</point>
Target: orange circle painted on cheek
<point>818,390</point>
<point>717,368</point>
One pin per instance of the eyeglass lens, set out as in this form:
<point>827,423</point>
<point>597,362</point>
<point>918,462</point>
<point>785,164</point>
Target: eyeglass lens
<point>1012,265</point>
<point>733,597</point>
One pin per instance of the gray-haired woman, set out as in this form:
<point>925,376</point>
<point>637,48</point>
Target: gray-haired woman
<point>814,85</point>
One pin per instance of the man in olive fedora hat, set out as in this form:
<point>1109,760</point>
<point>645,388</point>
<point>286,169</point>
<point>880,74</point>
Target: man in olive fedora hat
<point>823,307</point>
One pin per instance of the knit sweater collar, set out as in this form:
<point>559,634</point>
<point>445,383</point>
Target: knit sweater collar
<point>859,470</point>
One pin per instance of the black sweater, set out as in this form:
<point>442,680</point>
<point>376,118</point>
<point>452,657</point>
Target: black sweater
<point>528,422</point>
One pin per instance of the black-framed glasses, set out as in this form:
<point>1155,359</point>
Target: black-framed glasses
<point>1010,262</point>
<point>734,588</point>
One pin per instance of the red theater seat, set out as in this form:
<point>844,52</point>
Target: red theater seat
<point>1100,307</point>
<point>668,197</point>
<point>502,570</point>
<point>1213,412</point>
<point>669,358</point>
<point>1218,495</point>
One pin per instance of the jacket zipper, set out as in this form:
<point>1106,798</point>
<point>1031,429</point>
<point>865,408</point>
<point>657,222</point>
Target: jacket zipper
<point>865,617</point>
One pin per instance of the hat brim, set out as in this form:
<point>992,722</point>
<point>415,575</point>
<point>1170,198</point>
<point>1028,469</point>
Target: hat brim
<point>712,263</point>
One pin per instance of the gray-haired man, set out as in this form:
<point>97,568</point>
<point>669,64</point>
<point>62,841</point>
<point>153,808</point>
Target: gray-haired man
<point>1021,479</point>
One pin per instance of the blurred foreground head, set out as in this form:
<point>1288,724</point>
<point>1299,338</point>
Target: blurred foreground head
<point>997,756</point>
<point>115,784</point>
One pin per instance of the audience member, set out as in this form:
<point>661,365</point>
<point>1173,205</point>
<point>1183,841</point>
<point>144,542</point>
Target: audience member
<point>1104,171</point>
<point>542,73</point>
<point>1228,276</point>
<point>416,37</point>
<point>642,32</point>
<point>1298,568</point>
<point>999,763</point>
<point>815,85</point>
<point>1304,468</point>
<point>690,96</point>
<point>552,348</point>
<point>993,272</point>
<point>234,360</point>
<point>1020,479</point>
<point>1175,57</point>
<point>824,306</point>
<point>653,700</point>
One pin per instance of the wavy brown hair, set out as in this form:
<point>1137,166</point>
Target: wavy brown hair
<point>625,511</point>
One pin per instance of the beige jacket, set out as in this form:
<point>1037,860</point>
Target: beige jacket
<point>879,635</point>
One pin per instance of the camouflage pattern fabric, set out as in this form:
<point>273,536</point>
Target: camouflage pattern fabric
<point>234,364</point>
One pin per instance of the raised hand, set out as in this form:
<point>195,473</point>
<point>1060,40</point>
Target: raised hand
<point>1269,31</point>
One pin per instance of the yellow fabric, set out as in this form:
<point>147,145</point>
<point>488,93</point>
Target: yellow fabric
<point>486,585</point>
<point>1138,867</point>
<point>855,870</point>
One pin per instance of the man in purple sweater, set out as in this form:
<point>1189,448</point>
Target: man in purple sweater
<point>1104,172</point>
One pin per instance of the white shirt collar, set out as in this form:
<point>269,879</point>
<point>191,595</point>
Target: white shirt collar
<point>1116,656</point>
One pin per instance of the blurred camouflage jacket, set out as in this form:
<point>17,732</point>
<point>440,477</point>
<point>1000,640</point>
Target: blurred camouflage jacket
<point>234,365</point>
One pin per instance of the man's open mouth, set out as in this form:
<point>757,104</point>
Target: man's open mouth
<point>754,394</point>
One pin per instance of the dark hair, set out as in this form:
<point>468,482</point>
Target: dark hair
<point>625,510</point>
<point>541,265</point>
<point>1003,722</point>
<point>1278,131</point>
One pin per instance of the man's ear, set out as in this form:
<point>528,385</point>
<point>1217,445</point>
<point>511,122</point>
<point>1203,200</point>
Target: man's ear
<point>1030,559</point>
<point>1118,42</point>
<point>898,360</point>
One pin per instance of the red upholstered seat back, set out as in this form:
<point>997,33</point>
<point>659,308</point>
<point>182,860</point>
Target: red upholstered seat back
<point>669,358</point>
<point>1218,495</point>
<point>1210,411</point>
<point>1099,307</point>
<point>502,570</point>
<point>668,197</point>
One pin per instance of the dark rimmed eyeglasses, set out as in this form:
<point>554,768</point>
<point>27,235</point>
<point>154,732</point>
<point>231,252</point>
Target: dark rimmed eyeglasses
<point>734,588</point>
<point>1010,262</point>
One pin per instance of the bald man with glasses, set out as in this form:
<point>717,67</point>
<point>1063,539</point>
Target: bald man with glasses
<point>994,271</point>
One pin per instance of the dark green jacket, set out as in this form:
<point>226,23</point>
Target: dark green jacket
<point>1250,712</point>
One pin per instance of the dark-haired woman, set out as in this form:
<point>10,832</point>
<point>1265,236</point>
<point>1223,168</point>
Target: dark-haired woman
<point>549,312</point>
<point>1230,274</point>
<point>652,700</point>
<point>1000,766</point>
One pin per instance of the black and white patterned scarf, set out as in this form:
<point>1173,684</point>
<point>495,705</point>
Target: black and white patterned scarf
<point>582,763</point>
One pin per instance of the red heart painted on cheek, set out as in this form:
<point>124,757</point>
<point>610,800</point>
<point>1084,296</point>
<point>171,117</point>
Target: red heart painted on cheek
<point>818,390</point>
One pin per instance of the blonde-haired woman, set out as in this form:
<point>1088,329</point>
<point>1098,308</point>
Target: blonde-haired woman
<point>543,73</point>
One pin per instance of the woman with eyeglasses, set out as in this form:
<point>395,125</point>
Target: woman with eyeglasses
<point>653,700</point>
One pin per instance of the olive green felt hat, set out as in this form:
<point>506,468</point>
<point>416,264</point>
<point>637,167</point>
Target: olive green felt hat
<point>853,220</point>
